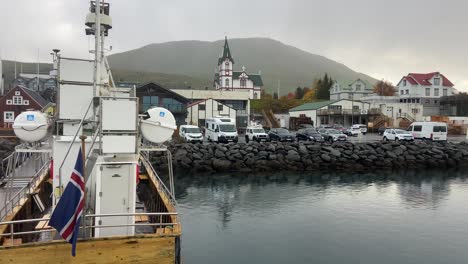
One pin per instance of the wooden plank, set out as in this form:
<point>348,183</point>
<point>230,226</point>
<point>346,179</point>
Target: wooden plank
<point>141,218</point>
<point>112,250</point>
<point>16,242</point>
<point>143,176</point>
<point>43,224</point>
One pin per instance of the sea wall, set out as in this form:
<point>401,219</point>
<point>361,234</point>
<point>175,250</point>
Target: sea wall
<point>307,156</point>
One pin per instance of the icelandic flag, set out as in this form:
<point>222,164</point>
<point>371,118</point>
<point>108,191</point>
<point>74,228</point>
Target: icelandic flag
<point>67,214</point>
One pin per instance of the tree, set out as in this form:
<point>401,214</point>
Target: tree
<point>384,88</point>
<point>291,95</point>
<point>322,87</point>
<point>275,96</point>
<point>309,96</point>
<point>299,93</point>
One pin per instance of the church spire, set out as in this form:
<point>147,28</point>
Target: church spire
<point>226,52</point>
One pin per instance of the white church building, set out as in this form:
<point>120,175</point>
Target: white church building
<point>227,79</point>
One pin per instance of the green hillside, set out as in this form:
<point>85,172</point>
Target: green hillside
<point>276,61</point>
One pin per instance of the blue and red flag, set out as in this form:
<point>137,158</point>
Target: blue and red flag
<point>66,217</point>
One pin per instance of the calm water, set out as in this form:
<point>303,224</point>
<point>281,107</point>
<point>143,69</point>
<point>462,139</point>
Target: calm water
<point>411,217</point>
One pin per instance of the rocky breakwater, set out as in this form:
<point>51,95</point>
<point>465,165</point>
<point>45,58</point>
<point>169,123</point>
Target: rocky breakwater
<point>305,156</point>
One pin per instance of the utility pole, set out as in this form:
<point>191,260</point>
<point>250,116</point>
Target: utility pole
<point>278,92</point>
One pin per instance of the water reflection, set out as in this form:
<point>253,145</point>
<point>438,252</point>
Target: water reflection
<point>229,191</point>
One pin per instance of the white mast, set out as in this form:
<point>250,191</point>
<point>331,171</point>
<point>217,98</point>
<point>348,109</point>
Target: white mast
<point>97,49</point>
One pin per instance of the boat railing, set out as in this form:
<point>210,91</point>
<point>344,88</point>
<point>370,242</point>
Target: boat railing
<point>154,175</point>
<point>13,161</point>
<point>16,199</point>
<point>156,220</point>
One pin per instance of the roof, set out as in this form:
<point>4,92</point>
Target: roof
<point>423,78</point>
<point>151,87</point>
<point>313,106</point>
<point>204,100</point>
<point>255,78</point>
<point>345,84</point>
<point>34,95</point>
<point>226,53</point>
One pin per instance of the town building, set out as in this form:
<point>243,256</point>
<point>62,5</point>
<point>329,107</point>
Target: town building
<point>352,90</point>
<point>17,100</point>
<point>227,79</point>
<point>201,110</point>
<point>154,95</point>
<point>238,100</point>
<point>432,85</point>
<point>344,112</point>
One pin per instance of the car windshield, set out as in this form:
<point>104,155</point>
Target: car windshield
<point>282,131</point>
<point>311,131</point>
<point>192,130</point>
<point>258,130</point>
<point>333,131</point>
<point>399,131</point>
<point>227,128</point>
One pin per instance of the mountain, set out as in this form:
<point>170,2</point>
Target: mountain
<point>198,59</point>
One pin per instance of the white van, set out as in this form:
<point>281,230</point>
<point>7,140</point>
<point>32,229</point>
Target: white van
<point>221,129</point>
<point>190,133</point>
<point>434,131</point>
<point>360,127</point>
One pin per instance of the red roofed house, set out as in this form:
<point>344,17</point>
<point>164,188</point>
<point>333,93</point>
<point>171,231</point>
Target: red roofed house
<point>425,85</point>
<point>17,100</point>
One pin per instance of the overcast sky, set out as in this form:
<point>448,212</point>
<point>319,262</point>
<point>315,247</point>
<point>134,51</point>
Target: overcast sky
<point>383,38</point>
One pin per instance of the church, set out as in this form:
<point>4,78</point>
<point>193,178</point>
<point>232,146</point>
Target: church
<point>226,79</point>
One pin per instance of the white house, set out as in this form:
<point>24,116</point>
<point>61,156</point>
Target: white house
<point>425,85</point>
<point>344,112</point>
<point>237,100</point>
<point>229,80</point>
<point>353,90</point>
<point>199,111</point>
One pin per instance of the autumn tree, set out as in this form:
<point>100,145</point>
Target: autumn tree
<point>384,88</point>
<point>309,96</point>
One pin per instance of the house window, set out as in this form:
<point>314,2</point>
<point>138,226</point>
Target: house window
<point>444,92</point>
<point>226,82</point>
<point>25,102</point>
<point>414,111</point>
<point>436,91</point>
<point>201,107</point>
<point>243,82</point>
<point>358,87</point>
<point>17,100</point>
<point>436,81</point>
<point>227,65</point>
<point>404,82</point>
<point>220,107</point>
<point>255,96</point>
<point>8,116</point>
<point>17,93</point>
<point>407,91</point>
<point>428,91</point>
<point>402,92</point>
<point>149,101</point>
<point>9,102</point>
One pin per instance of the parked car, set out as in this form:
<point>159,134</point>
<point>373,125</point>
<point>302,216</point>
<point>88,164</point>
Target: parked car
<point>255,133</point>
<point>381,130</point>
<point>340,128</point>
<point>361,127</point>
<point>301,126</point>
<point>280,134</point>
<point>397,134</point>
<point>333,135</point>
<point>190,133</point>
<point>325,126</point>
<point>429,130</point>
<point>309,134</point>
<point>352,132</point>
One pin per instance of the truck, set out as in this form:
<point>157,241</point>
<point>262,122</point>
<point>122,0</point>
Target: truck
<point>221,130</point>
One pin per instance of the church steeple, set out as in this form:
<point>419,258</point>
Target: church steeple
<point>226,53</point>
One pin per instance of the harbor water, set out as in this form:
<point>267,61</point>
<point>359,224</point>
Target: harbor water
<point>392,217</point>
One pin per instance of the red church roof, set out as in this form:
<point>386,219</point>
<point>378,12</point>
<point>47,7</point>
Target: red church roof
<point>423,78</point>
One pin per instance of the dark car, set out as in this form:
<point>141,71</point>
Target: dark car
<point>333,135</point>
<point>381,130</point>
<point>280,134</point>
<point>309,134</point>
<point>302,126</point>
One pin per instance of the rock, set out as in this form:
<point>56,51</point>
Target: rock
<point>219,154</point>
<point>391,155</point>
<point>221,165</point>
<point>293,157</point>
<point>325,157</point>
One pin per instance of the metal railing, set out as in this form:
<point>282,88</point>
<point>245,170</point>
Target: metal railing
<point>151,223</point>
<point>154,175</point>
<point>15,200</point>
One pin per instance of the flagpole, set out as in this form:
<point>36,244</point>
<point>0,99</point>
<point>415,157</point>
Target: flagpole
<point>83,171</point>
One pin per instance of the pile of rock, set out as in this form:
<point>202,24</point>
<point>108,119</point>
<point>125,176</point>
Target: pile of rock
<point>307,156</point>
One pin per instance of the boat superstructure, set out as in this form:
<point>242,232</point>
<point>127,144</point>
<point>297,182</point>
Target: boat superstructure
<point>129,213</point>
